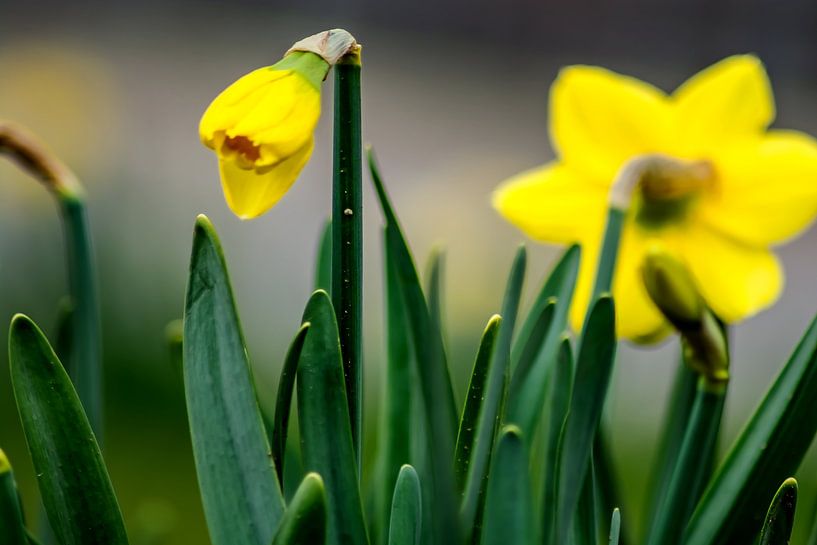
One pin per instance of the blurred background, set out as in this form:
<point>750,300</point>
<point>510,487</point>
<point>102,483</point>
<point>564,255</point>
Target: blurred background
<point>455,96</point>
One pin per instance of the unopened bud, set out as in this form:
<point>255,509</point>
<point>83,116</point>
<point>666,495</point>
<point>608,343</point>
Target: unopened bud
<point>673,290</point>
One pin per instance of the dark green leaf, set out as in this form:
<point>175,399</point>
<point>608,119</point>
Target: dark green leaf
<point>615,527</point>
<point>406,511</point>
<point>74,483</point>
<point>768,450</point>
<point>496,384</point>
<point>688,477</point>
<point>304,521</point>
<point>558,401</point>
<point>559,285</point>
<point>508,504</point>
<point>594,367</point>
<point>584,523</point>
<point>678,409</point>
<point>283,401</point>
<point>435,290</point>
<point>323,263</point>
<point>473,401</point>
<point>435,382</point>
<point>239,489</point>
<point>780,517</point>
<point>12,528</point>
<point>326,437</point>
<point>397,419</point>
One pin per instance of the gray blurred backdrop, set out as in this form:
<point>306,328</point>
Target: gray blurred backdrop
<point>455,96</point>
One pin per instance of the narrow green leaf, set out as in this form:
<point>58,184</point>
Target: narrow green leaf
<point>326,437</point>
<point>615,527</point>
<point>473,401</point>
<point>396,422</point>
<point>528,396</point>
<point>283,401</point>
<point>12,528</point>
<point>240,492</point>
<point>304,521</point>
<point>323,262</point>
<point>405,527</point>
<point>508,502</point>
<point>347,237</point>
<point>584,523</point>
<point>490,413</point>
<point>558,402</point>
<point>768,450</point>
<point>608,493</point>
<point>688,476</point>
<point>434,289</point>
<point>678,409</point>
<point>780,517</point>
<point>435,381</point>
<point>74,483</point>
<point>594,367</point>
<point>525,401</point>
<point>559,284</point>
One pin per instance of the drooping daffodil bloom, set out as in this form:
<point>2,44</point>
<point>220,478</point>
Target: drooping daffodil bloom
<point>717,187</point>
<point>262,126</point>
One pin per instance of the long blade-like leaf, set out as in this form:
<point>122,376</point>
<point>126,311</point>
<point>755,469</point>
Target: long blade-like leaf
<point>594,367</point>
<point>508,502</point>
<point>397,421</point>
<point>435,381</point>
<point>490,413</point>
<point>780,516</point>
<point>283,401</point>
<point>239,489</point>
<point>12,529</point>
<point>615,527</point>
<point>304,521</point>
<point>406,510</point>
<point>768,450</point>
<point>323,414</point>
<point>323,261</point>
<point>473,401</point>
<point>74,483</point>
<point>558,402</point>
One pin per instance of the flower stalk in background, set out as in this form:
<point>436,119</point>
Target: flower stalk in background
<point>698,170</point>
<point>83,353</point>
<point>261,127</point>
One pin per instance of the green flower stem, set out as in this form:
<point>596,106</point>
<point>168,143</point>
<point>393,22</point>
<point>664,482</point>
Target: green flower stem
<point>347,235</point>
<point>84,360</point>
<point>85,355</point>
<point>693,463</point>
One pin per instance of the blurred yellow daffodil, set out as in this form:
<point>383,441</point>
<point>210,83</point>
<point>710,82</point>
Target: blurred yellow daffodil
<point>262,126</point>
<point>719,190</point>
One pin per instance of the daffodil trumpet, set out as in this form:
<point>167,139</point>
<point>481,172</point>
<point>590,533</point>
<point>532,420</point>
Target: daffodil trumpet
<point>700,171</point>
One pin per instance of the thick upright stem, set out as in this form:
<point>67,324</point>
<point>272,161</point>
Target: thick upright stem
<point>347,234</point>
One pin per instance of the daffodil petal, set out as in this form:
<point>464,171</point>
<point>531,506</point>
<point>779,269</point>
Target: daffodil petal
<point>290,105</point>
<point>637,318</point>
<point>250,192</point>
<point>736,280</point>
<point>553,203</point>
<point>730,100</point>
<point>232,104</point>
<point>767,189</point>
<point>600,119</point>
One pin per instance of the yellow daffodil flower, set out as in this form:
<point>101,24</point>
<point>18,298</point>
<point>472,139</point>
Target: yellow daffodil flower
<point>721,190</point>
<point>262,126</point>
